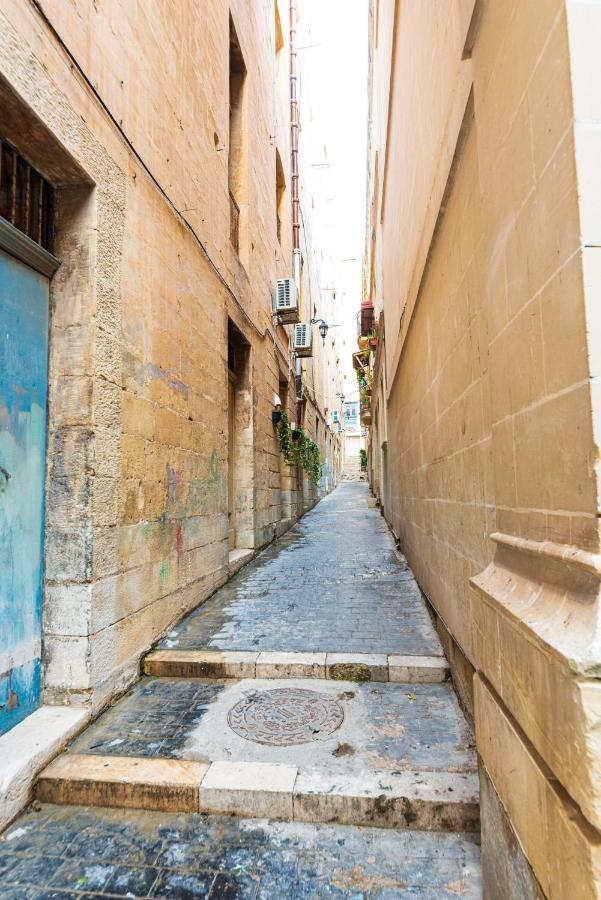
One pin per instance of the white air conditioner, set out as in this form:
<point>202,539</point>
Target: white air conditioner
<point>301,340</point>
<point>286,301</point>
<point>335,416</point>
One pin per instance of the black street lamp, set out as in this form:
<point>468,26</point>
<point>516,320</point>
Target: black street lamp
<point>323,327</point>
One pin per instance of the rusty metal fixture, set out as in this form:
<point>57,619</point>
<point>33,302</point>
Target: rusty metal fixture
<point>234,223</point>
<point>286,716</point>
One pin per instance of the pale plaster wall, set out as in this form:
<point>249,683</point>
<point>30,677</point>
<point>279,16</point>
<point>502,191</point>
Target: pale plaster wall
<point>126,109</point>
<point>485,268</point>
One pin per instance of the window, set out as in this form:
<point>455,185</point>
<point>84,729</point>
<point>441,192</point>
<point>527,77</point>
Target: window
<point>26,198</point>
<point>237,151</point>
<point>280,191</point>
<point>351,415</point>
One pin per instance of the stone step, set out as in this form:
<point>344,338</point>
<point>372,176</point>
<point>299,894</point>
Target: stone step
<point>356,667</point>
<point>421,801</point>
<point>122,781</point>
<point>387,754</point>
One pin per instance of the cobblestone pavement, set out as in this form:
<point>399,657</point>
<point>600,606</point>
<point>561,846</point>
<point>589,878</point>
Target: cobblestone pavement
<point>67,852</point>
<point>334,582</point>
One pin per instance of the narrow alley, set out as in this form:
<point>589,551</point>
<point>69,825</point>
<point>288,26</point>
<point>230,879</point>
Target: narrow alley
<point>309,693</point>
<point>300,466</point>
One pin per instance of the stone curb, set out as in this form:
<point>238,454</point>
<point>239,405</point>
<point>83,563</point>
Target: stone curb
<point>422,801</point>
<point>122,781</point>
<point>358,667</point>
<point>28,747</point>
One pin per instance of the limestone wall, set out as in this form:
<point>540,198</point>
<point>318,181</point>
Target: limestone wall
<point>485,218</point>
<point>125,107</point>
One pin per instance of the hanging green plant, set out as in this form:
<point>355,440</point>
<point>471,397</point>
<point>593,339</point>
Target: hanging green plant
<point>285,437</point>
<point>310,459</point>
<point>302,450</point>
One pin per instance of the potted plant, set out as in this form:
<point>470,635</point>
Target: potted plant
<point>363,458</point>
<point>372,340</point>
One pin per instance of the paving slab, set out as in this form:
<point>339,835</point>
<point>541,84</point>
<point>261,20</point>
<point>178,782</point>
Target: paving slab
<point>380,727</point>
<point>334,583</point>
<point>72,851</point>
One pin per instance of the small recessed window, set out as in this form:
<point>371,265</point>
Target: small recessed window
<point>26,198</point>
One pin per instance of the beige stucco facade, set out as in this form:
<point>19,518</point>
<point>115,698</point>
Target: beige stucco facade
<point>483,264</point>
<point>133,130</point>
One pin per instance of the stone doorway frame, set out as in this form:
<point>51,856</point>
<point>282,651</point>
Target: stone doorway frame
<point>83,395</point>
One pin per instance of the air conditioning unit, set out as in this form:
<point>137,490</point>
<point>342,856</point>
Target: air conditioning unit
<point>286,301</point>
<point>301,340</point>
<point>335,416</point>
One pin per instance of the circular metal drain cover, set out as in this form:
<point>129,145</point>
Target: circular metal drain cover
<point>285,716</point>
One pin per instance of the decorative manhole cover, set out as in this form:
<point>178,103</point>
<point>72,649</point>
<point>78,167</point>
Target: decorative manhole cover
<point>285,716</point>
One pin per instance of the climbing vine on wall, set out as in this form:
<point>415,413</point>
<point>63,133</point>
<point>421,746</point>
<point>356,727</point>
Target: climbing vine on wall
<point>285,436</point>
<point>303,451</point>
<point>310,458</point>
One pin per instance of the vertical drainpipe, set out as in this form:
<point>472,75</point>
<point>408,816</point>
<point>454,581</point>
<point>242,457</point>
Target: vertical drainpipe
<point>296,253</point>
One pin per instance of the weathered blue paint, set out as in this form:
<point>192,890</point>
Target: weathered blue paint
<point>23,388</point>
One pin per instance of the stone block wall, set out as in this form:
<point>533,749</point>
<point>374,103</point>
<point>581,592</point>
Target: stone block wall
<point>125,108</point>
<point>483,177</point>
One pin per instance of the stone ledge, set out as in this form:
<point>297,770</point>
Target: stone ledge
<point>357,667</point>
<point>249,789</point>
<point>417,669</point>
<point>565,554</point>
<point>420,800</point>
<point>122,781</point>
<point>239,558</point>
<point>28,747</point>
<point>279,664</point>
<point>200,663</point>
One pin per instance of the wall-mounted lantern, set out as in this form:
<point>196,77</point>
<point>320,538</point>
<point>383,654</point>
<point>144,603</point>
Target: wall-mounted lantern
<point>276,412</point>
<point>323,328</point>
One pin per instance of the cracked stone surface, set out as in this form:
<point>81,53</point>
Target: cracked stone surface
<point>334,582</point>
<point>68,852</point>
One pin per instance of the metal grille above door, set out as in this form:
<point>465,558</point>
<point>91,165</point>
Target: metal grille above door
<point>26,198</point>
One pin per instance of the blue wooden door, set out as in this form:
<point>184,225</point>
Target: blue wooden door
<point>23,389</point>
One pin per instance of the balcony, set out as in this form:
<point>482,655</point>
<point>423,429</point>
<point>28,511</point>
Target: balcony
<point>365,411</point>
<point>366,320</point>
